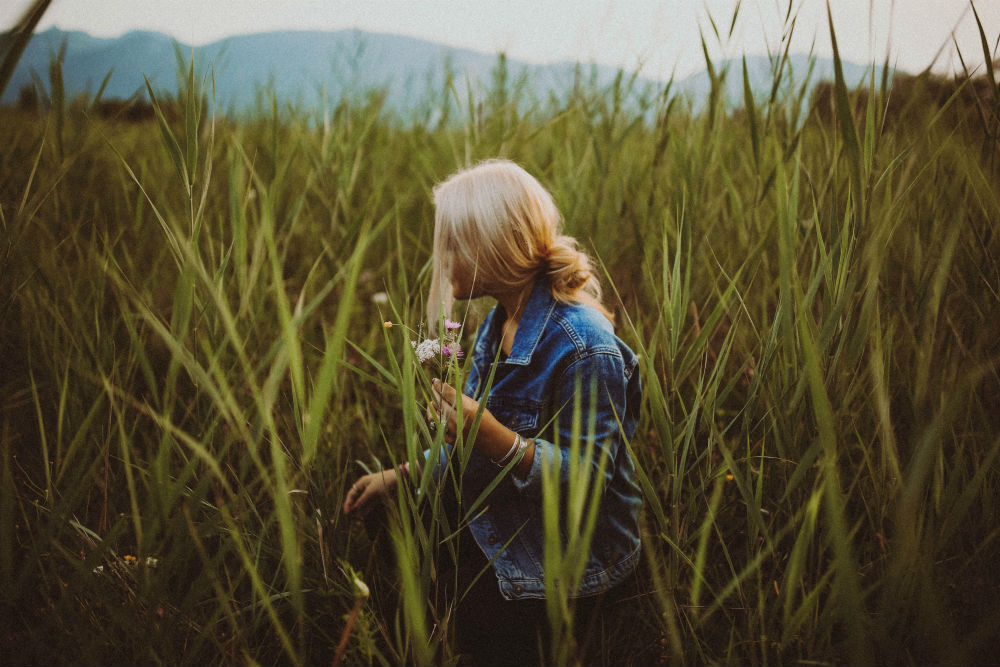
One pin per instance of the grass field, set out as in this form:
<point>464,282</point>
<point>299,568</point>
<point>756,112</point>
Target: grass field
<point>195,366</point>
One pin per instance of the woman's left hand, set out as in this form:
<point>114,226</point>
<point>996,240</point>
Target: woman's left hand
<point>445,409</point>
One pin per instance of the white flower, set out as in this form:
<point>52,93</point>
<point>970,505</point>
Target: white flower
<point>426,349</point>
<point>380,298</point>
<point>361,587</point>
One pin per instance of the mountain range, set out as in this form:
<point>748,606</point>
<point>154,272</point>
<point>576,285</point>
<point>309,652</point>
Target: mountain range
<point>315,69</point>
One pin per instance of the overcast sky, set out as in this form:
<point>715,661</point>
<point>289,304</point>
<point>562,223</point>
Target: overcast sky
<point>660,35</point>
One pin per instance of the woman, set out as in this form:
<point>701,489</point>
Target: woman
<point>554,347</point>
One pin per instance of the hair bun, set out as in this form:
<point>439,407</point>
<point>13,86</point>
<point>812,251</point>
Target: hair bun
<point>577,280</point>
<point>568,269</point>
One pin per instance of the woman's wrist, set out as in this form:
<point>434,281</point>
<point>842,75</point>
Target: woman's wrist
<point>493,439</point>
<point>497,445</point>
<point>516,447</point>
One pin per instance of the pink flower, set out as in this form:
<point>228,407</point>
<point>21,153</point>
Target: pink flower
<point>452,350</point>
<point>451,326</point>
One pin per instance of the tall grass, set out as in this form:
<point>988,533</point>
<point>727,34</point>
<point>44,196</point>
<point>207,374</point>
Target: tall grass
<point>195,368</point>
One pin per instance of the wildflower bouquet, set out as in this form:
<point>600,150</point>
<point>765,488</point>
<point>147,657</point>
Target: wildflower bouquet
<point>446,350</point>
<point>435,358</point>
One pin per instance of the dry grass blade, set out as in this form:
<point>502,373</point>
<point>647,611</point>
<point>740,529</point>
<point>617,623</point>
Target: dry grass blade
<point>13,42</point>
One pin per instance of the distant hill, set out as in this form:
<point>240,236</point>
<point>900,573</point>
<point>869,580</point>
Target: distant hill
<point>303,67</point>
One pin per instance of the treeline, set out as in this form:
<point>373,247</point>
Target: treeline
<point>964,97</point>
<point>134,110</point>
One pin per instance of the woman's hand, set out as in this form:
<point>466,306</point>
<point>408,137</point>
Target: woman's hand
<point>493,439</point>
<point>373,486</point>
<point>445,406</point>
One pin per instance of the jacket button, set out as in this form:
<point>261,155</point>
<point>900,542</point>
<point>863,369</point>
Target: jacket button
<point>518,589</point>
<point>491,540</point>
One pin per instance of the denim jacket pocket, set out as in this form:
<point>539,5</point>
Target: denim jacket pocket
<point>517,414</point>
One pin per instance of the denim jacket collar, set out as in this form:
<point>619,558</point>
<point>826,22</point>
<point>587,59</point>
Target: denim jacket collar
<point>534,319</point>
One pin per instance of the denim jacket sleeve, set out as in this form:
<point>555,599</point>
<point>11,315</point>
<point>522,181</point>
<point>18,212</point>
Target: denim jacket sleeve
<point>598,379</point>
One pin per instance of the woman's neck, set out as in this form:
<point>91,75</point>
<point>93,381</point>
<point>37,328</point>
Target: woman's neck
<point>513,304</point>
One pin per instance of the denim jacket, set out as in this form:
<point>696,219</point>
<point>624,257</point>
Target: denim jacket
<point>561,352</point>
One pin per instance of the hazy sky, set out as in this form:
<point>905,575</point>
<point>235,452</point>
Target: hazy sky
<point>662,36</point>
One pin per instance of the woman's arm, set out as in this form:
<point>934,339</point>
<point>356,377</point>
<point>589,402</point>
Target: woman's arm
<point>493,439</point>
<point>594,392</point>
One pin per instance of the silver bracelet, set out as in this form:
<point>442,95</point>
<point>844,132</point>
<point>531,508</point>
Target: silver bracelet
<point>518,446</point>
<point>521,447</point>
<point>506,457</point>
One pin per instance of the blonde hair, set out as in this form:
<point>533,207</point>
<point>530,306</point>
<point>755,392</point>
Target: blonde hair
<point>499,220</point>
